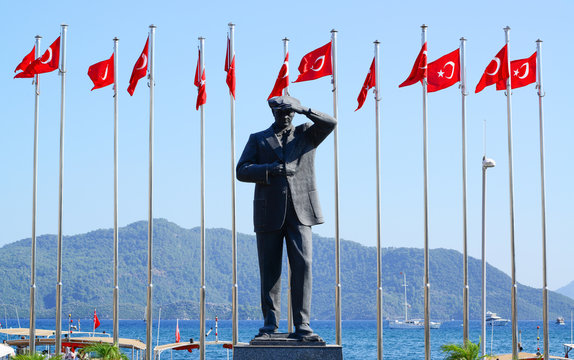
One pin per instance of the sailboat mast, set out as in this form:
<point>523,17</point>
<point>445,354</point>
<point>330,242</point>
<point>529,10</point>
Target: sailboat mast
<point>406,303</point>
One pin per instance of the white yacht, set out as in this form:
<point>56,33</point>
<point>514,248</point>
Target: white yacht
<point>412,323</point>
<point>494,320</point>
<point>560,321</point>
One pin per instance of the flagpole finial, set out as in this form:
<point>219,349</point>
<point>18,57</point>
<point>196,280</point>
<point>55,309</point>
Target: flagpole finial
<point>424,27</point>
<point>116,39</point>
<point>507,28</point>
<point>538,41</point>
<point>64,25</point>
<point>231,24</point>
<point>463,39</point>
<point>152,26</point>
<point>201,38</point>
<point>38,37</point>
<point>333,31</point>
<point>285,38</point>
<point>376,42</point>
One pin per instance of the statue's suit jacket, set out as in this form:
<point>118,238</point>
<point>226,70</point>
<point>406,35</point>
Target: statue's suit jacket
<point>271,192</point>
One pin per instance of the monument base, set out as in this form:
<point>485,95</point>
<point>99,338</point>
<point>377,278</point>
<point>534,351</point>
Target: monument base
<point>286,352</point>
<point>286,347</point>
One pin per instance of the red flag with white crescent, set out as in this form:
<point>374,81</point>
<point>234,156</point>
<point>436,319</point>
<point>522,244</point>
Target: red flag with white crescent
<point>282,79</point>
<point>496,71</point>
<point>419,70</point>
<point>370,82</point>
<point>140,69</point>
<point>27,60</point>
<point>201,93</point>
<point>229,68</point>
<point>96,320</point>
<point>444,71</point>
<point>316,64</point>
<point>102,73</point>
<point>523,73</point>
<point>50,61</point>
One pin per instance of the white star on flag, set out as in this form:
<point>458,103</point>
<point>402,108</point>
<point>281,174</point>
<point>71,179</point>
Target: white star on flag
<point>440,73</point>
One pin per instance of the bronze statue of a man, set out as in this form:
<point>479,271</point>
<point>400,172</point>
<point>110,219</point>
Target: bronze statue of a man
<point>280,161</point>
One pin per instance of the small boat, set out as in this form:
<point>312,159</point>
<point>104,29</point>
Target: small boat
<point>560,320</point>
<point>494,320</point>
<point>412,323</point>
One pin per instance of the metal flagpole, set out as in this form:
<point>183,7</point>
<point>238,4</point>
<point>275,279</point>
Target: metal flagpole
<point>202,289</point>
<point>158,322</point>
<point>151,76</point>
<point>32,345</point>
<point>486,163</point>
<point>289,308</point>
<point>338,337</point>
<point>511,190</point>
<point>379,259</point>
<point>543,196</point>
<point>234,305</point>
<point>426,212</point>
<point>116,329</point>
<point>465,293</point>
<point>285,51</point>
<point>58,338</point>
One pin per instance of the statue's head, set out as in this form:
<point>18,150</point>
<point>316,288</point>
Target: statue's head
<point>282,111</point>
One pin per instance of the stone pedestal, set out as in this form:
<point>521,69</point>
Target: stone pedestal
<point>284,347</point>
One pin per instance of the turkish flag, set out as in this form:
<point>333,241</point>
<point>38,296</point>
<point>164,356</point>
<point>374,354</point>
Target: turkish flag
<point>523,72</point>
<point>27,60</point>
<point>282,79</point>
<point>201,94</point>
<point>102,73</point>
<point>444,71</point>
<point>316,64</point>
<point>496,71</point>
<point>140,69</point>
<point>96,320</point>
<point>370,81</point>
<point>177,336</point>
<point>230,69</point>
<point>419,71</point>
<point>50,61</point>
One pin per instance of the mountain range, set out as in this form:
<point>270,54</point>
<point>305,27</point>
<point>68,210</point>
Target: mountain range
<point>87,277</point>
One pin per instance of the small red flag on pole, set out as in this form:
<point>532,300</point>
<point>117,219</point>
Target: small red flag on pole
<point>230,68</point>
<point>419,71</point>
<point>102,73</point>
<point>444,71</point>
<point>523,72</point>
<point>496,71</point>
<point>282,79</point>
<point>27,60</point>
<point>96,320</point>
<point>316,64</point>
<point>370,82</point>
<point>201,93</point>
<point>140,69</point>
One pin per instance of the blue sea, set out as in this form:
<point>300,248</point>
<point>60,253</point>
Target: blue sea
<point>359,337</point>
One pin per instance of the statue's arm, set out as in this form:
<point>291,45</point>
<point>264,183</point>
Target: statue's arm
<point>323,125</point>
<point>248,170</point>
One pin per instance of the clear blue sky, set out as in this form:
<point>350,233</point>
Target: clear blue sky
<point>88,181</point>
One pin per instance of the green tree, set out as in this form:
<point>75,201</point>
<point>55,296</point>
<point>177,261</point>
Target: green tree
<point>35,356</point>
<point>103,351</point>
<point>468,351</point>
